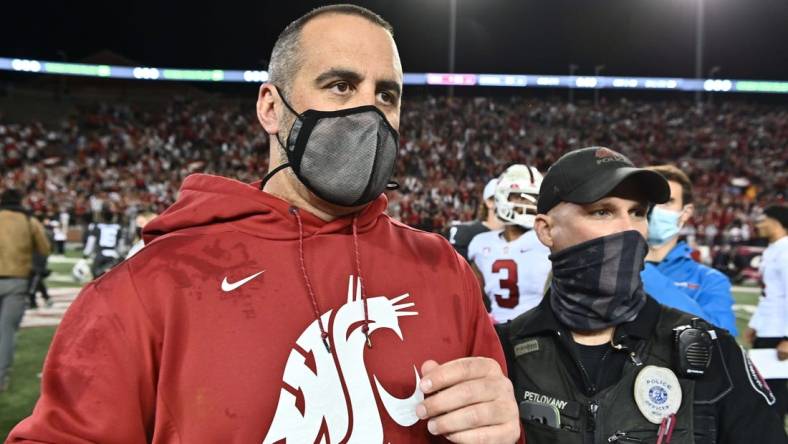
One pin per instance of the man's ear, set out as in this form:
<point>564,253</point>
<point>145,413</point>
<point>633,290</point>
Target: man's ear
<point>543,225</point>
<point>266,113</point>
<point>686,214</point>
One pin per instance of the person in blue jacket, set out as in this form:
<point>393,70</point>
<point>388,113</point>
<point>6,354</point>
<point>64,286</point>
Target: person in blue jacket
<point>670,270</point>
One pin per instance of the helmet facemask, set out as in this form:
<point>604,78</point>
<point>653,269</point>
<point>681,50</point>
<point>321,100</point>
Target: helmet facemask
<point>516,195</point>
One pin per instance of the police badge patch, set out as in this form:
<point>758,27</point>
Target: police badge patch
<point>657,393</point>
<point>756,380</point>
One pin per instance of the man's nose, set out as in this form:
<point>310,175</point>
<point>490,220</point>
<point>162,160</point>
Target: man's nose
<point>625,222</point>
<point>365,96</point>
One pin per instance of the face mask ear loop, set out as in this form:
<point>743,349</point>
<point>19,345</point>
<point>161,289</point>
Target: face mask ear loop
<point>282,96</point>
<point>684,210</point>
<point>271,173</point>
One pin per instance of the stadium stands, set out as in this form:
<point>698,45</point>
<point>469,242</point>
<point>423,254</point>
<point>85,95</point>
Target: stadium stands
<point>135,159</point>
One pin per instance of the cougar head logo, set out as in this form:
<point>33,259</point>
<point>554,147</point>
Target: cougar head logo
<point>312,403</point>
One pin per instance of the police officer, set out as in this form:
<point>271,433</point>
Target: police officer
<point>599,360</point>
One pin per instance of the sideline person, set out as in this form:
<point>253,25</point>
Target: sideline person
<point>768,327</point>
<point>21,236</point>
<point>670,273</point>
<point>292,309</point>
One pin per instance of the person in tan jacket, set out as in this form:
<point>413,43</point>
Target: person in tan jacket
<point>20,235</point>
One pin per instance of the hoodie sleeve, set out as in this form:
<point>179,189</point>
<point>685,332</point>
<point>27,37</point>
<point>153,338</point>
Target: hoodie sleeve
<point>99,376</point>
<point>484,341</point>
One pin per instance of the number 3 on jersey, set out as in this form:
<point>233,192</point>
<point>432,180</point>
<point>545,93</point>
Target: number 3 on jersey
<point>509,283</point>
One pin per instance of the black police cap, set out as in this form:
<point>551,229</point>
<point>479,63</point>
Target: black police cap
<point>588,174</point>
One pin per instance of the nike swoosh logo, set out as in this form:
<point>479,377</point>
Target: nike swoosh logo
<point>226,286</point>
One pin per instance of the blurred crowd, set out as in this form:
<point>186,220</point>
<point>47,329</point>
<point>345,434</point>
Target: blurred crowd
<point>132,161</point>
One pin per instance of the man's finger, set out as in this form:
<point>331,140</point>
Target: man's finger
<point>428,366</point>
<point>475,418</point>
<point>464,394</point>
<point>463,369</point>
<point>497,434</point>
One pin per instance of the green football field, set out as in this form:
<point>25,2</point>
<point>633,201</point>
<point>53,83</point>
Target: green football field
<point>32,345</point>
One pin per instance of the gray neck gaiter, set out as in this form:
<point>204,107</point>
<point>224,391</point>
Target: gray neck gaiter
<point>596,284</point>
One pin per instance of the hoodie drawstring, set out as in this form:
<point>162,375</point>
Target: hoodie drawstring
<point>357,256</point>
<point>310,290</point>
<point>323,333</point>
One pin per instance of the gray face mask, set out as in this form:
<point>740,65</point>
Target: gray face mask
<point>344,157</point>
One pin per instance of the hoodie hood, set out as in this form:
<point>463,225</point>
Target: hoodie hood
<point>208,202</point>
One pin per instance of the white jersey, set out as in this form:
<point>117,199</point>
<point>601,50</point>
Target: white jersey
<point>514,272</point>
<point>104,238</point>
<point>771,317</point>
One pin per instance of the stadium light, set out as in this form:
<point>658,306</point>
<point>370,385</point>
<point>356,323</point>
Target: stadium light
<point>597,70</point>
<point>699,19</point>
<point>452,38</point>
<point>572,69</point>
<point>724,85</point>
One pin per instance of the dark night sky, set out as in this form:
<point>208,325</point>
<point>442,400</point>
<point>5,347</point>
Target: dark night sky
<point>746,38</point>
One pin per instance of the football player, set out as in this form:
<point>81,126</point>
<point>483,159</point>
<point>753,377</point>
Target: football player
<point>511,264</point>
<point>104,242</point>
<point>461,234</point>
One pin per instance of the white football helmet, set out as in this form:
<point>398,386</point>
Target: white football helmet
<point>81,271</point>
<point>522,183</point>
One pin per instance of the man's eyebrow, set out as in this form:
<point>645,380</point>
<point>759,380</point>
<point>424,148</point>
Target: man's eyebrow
<point>389,85</point>
<point>339,73</point>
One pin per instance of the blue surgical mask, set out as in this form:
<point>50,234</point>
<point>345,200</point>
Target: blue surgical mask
<point>663,225</point>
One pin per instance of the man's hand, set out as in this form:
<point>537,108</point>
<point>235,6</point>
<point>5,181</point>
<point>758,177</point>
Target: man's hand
<point>782,350</point>
<point>749,335</point>
<point>469,400</point>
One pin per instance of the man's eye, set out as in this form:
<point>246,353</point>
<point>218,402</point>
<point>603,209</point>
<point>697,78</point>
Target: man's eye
<point>600,212</point>
<point>639,213</point>
<point>340,87</point>
<point>386,97</point>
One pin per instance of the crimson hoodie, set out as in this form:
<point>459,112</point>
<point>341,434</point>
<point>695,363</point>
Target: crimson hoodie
<point>210,335</point>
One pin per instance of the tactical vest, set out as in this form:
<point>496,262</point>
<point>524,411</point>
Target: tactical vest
<point>611,415</point>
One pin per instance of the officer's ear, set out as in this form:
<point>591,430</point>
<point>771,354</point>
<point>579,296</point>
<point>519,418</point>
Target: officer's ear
<point>543,227</point>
